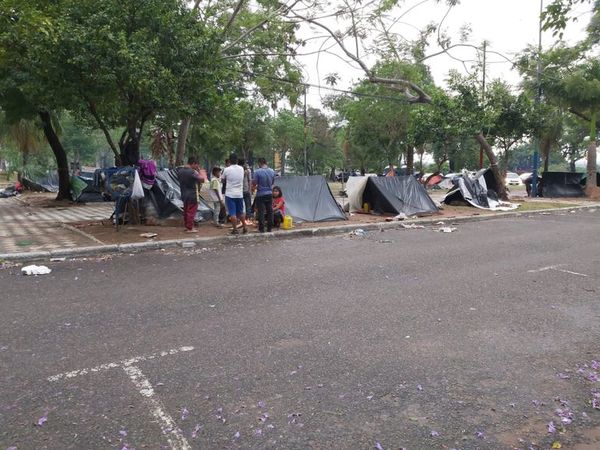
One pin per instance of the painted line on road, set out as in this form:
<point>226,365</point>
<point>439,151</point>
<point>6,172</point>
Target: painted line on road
<point>556,268</point>
<point>113,365</point>
<point>168,426</point>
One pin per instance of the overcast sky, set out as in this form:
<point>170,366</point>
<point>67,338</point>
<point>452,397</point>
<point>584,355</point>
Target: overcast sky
<point>507,25</point>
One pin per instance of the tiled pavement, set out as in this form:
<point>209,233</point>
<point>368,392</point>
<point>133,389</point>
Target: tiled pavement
<point>25,228</point>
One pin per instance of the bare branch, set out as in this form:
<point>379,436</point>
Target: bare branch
<point>237,9</point>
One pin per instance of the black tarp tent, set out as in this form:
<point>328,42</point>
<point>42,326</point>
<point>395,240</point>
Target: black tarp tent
<point>563,184</point>
<point>479,191</point>
<point>309,199</point>
<point>165,196</point>
<point>41,183</point>
<point>396,195</point>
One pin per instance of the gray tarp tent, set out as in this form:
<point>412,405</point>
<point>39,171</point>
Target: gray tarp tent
<point>41,183</point>
<point>166,196</point>
<point>479,191</point>
<point>309,199</point>
<point>563,184</point>
<point>395,195</point>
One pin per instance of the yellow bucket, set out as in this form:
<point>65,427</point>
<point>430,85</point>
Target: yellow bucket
<point>288,223</point>
<point>366,207</point>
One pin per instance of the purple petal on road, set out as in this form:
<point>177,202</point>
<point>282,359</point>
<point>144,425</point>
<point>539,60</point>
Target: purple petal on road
<point>480,435</point>
<point>563,376</point>
<point>270,426</point>
<point>434,434</point>
<point>196,430</point>
<point>123,433</point>
<point>419,387</point>
<point>593,377</point>
<point>261,404</point>
<point>369,397</point>
<point>236,435</point>
<point>42,420</point>
<point>257,433</point>
<point>595,365</point>
<point>378,446</point>
<point>11,448</point>
<point>551,427</point>
<point>184,413</point>
<point>219,410</point>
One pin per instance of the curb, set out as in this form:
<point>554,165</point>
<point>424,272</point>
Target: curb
<point>258,237</point>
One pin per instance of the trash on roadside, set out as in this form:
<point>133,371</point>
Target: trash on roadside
<point>446,229</point>
<point>359,232</point>
<point>385,241</point>
<point>148,235</point>
<point>412,226</point>
<point>35,270</point>
<point>58,259</point>
<point>400,216</point>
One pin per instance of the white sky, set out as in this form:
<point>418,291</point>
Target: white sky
<point>508,25</point>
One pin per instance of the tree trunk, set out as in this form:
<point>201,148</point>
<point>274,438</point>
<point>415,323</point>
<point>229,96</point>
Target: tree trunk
<point>545,149</point>
<point>64,188</point>
<point>487,148</point>
<point>184,129</point>
<point>410,159</point>
<point>591,188</point>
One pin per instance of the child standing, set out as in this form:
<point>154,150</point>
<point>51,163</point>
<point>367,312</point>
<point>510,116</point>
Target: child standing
<point>278,206</point>
<point>216,196</point>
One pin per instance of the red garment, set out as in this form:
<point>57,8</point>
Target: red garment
<point>189,214</point>
<point>281,202</point>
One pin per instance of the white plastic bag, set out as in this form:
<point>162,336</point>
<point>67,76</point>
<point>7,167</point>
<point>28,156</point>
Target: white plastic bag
<point>35,270</point>
<point>137,191</point>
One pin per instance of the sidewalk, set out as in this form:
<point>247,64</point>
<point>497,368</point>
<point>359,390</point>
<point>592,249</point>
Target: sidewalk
<point>29,226</point>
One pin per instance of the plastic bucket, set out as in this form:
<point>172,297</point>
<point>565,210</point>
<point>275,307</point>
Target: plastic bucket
<point>287,223</point>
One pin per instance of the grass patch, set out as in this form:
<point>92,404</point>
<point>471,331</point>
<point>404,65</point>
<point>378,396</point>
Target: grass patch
<point>535,206</point>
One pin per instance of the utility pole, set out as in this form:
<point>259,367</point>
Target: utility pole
<point>538,100</point>
<point>305,133</point>
<point>483,96</point>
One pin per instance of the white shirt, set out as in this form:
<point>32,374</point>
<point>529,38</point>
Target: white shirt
<point>234,176</point>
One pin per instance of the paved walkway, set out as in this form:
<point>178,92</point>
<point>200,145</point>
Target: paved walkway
<point>24,228</point>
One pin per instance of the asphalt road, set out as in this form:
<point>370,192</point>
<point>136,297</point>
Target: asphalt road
<point>405,339</point>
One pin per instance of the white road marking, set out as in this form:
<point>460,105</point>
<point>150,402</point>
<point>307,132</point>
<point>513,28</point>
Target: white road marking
<point>556,267</point>
<point>113,365</point>
<point>168,426</point>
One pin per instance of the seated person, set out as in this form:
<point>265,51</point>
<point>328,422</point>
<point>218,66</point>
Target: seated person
<point>278,206</point>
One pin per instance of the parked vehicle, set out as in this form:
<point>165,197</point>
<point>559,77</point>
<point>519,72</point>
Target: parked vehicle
<point>513,179</point>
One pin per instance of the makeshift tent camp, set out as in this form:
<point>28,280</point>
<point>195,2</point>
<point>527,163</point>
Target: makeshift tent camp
<point>309,199</point>
<point>41,183</point>
<point>396,195</point>
<point>563,184</point>
<point>478,190</point>
<point>165,196</point>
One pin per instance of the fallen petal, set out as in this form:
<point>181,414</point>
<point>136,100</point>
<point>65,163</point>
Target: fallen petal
<point>378,446</point>
<point>434,434</point>
<point>551,427</point>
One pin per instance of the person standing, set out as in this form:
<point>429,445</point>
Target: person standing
<point>234,194</point>
<point>264,177</point>
<point>246,188</point>
<point>216,196</point>
<point>189,181</point>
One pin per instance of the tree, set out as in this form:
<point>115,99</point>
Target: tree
<point>288,129</point>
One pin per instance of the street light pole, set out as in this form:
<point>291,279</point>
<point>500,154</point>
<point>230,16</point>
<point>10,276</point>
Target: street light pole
<point>538,100</point>
<point>305,132</point>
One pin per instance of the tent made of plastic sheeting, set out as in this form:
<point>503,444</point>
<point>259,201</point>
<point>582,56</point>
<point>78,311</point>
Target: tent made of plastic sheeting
<point>479,191</point>
<point>398,195</point>
<point>43,183</point>
<point>165,196</point>
<point>354,190</point>
<point>309,199</point>
<point>563,184</point>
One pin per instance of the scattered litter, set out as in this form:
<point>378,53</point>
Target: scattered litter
<point>480,435</point>
<point>188,244</point>
<point>257,433</point>
<point>359,232</point>
<point>565,415</point>
<point>419,387</point>
<point>412,226</point>
<point>211,306</point>
<point>35,270</point>
<point>440,223</point>
<point>446,229</point>
<point>369,397</point>
<point>556,444</point>
<point>472,309</point>
<point>378,446</point>
<point>237,435</point>
<point>263,417</point>
<point>563,376</point>
<point>58,259</point>
<point>148,235</point>
<point>385,241</point>
<point>572,211</point>
<point>434,434</point>
<point>545,214</point>
<point>261,404</point>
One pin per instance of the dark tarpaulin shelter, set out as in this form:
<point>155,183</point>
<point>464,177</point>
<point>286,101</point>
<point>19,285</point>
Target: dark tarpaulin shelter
<point>309,199</point>
<point>563,184</point>
<point>479,190</point>
<point>43,183</point>
<point>166,196</point>
<point>395,195</point>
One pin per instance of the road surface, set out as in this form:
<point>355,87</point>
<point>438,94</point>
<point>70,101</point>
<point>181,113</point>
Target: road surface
<point>477,339</point>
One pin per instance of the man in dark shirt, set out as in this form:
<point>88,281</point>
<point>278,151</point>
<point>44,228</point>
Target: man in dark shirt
<point>189,180</point>
<point>263,183</point>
